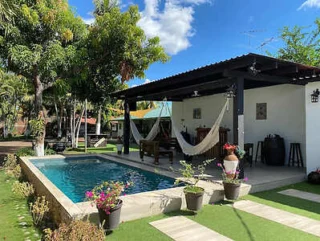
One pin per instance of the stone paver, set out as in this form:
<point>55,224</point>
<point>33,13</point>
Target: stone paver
<point>292,220</point>
<point>183,229</point>
<point>302,195</point>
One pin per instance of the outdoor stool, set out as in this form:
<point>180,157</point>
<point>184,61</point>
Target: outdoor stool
<point>295,151</point>
<point>261,145</point>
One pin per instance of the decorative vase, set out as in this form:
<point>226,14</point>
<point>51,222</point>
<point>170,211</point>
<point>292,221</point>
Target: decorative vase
<point>231,190</point>
<point>119,148</point>
<point>112,220</point>
<point>194,200</point>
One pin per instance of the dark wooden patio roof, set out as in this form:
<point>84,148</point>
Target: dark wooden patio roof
<point>216,78</point>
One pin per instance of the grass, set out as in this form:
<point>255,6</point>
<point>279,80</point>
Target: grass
<point>15,220</point>
<point>235,224</point>
<point>100,150</point>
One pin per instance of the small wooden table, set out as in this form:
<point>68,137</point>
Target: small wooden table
<point>150,148</point>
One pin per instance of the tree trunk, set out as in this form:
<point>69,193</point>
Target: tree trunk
<point>39,140</point>
<point>59,132</point>
<point>98,124</point>
<point>78,127</point>
<point>73,126</point>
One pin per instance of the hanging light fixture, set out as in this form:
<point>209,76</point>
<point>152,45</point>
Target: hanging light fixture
<point>231,92</point>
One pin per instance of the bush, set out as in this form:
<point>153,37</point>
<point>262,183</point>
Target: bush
<point>26,151</point>
<point>22,189</point>
<point>15,172</point>
<point>314,177</point>
<point>75,231</point>
<point>10,162</point>
<point>39,209</point>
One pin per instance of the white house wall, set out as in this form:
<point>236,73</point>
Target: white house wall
<point>285,114</point>
<point>312,128</point>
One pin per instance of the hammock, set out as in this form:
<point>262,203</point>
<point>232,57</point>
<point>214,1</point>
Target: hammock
<point>207,143</point>
<point>152,134</point>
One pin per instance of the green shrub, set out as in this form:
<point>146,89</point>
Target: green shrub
<point>75,231</point>
<point>39,209</point>
<point>25,151</point>
<point>15,172</point>
<point>22,189</point>
<point>10,162</point>
<point>28,151</point>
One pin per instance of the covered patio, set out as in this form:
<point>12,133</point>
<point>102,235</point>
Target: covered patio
<point>243,79</point>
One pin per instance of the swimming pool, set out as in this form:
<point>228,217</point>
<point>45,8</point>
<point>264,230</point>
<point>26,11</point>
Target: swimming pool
<point>76,175</point>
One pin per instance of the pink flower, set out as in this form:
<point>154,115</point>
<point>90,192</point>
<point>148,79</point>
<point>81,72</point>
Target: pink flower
<point>237,172</point>
<point>219,165</point>
<point>89,194</point>
<point>124,194</point>
<point>245,179</point>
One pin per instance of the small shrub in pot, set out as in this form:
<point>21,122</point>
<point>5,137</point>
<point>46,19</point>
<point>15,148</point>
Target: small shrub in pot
<point>314,177</point>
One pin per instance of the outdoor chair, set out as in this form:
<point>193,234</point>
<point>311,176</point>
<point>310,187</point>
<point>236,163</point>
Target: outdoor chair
<point>152,148</point>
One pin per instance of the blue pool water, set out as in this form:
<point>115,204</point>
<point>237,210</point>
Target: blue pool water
<point>75,176</point>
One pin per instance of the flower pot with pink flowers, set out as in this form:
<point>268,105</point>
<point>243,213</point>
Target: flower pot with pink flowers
<point>230,174</point>
<point>106,197</point>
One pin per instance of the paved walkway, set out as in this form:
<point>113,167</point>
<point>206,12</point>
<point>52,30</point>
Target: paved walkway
<point>302,195</point>
<point>301,223</point>
<point>183,229</point>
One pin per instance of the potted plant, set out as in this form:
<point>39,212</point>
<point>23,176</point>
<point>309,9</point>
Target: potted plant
<point>106,197</point>
<point>119,145</point>
<point>193,193</point>
<point>231,183</point>
<point>314,177</point>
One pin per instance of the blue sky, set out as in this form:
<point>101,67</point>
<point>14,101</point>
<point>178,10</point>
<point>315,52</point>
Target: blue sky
<point>199,32</point>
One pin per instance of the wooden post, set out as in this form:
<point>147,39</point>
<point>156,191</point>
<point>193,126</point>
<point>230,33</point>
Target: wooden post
<point>238,110</point>
<point>126,134</point>
<point>238,119</point>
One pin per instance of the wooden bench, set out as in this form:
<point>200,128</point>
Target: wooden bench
<point>150,148</point>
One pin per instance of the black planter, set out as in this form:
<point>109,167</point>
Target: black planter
<point>112,220</point>
<point>194,200</point>
<point>314,177</point>
<point>231,190</point>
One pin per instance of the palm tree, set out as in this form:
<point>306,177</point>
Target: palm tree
<point>7,10</point>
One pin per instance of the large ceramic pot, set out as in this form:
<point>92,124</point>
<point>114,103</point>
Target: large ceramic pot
<point>119,148</point>
<point>194,200</point>
<point>231,190</point>
<point>112,220</point>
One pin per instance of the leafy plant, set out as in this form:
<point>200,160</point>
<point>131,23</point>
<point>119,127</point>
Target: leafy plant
<point>75,231</point>
<point>229,177</point>
<point>26,151</point>
<point>191,180</point>
<point>10,162</point>
<point>106,195</point>
<point>39,209</point>
<point>15,172</point>
<point>22,189</point>
<point>37,126</point>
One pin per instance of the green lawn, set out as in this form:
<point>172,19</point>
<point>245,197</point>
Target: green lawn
<point>15,220</point>
<point>109,148</point>
<point>235,224</point>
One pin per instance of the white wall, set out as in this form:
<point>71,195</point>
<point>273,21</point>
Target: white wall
<point>285,114</point>
<point>312,128</point>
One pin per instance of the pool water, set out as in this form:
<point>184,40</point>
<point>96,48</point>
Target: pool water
<point>75,176</point>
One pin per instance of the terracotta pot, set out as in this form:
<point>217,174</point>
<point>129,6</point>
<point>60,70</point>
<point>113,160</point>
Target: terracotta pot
<point>314,177</point>
<point>194,200</point>
<point>112,220</point>
<point>231,190</point>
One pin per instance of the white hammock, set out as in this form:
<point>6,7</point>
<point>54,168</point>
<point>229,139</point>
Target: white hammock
<point>207,143</point>
<point>152,134</point>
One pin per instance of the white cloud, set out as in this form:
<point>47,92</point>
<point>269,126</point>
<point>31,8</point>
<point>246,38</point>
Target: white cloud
<point>147,81</point>
<point>173,24</point>
<point>310,4</point>
<point>88,21</point>
<point>133,86</point>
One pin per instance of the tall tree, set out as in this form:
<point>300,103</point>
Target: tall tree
<point>40,44</point>
<point>301,44</point>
